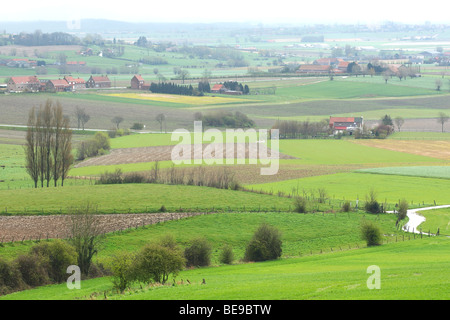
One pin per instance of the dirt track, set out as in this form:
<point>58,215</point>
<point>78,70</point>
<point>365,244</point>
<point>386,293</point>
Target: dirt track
<point>19,228</point>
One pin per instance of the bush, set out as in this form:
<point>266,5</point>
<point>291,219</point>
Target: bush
<point>137,126</point>
<point>99,144</point>
<point>56,256</point>
<point>10,277</point>
<point>372,205</point>
<point>155,263</point>
<point>33,270</point>
<point>111,177</point>
<point>265,244</point>
<point>227,255</point>
<point>371,233</point>
<point>346,207</point>
<point>198,253</point>
<point>402,210</point>
<point>122,271</point>
<point>134,177</point>
<point>300,205</point>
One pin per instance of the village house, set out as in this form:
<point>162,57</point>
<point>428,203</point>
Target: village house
<point>59,85</point>
<point>218,88</point>
<point>346,124</point>
<point>98,82</point>
<point>25,83</point>
<point>138,83</point>
<point>75,83</point>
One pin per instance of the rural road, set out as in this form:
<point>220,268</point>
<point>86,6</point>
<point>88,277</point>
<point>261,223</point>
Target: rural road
<point>415,219</point>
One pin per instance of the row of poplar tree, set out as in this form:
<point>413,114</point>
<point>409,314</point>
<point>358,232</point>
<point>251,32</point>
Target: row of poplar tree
<point>48,145</point>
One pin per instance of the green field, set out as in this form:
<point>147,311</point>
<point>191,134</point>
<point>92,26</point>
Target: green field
<point>437,219</point>
<point>353,186</point>
<point>409,270</point>
<point>135,198</point>
<point>344,152</point>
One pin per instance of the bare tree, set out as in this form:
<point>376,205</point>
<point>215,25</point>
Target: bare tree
<point>399,121</point>
<point>438,84</point>
<point>117,121</point>
<point>32,148</point>
<point>85,234</point>
<point>82,117</point>
<point>57,124</point>
<point>48,147</point>
<point>66,149</point>
<point>442,119</point>
<point>161,118</point>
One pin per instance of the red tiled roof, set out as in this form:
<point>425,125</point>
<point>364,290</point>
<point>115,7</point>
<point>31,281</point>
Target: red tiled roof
<point>100,79</point>
<point>217,87</point>
<point>341,119</point>
<point>59,83</point>
<point>26,79</point>
<point>72,79</point>
<point>139,77</point>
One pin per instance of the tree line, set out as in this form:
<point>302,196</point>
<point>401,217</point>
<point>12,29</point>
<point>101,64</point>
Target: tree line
<point>292,129</point>
<point>48,146</point>
<point>172,88</point>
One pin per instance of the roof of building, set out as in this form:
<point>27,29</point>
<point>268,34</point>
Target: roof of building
<point>100,79</point>
<point>72,79</point>
<point>24,79</point>
<point>217,87</point>
<point>59,83</point>
<point>138,77</point>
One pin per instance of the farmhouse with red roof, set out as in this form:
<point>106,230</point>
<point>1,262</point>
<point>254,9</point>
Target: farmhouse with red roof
<point>59,85</point>
<point>138,83</point>
<point>349,124</point>
<point>26,83</point>
<point>75,83</point>
<point>98,82</point>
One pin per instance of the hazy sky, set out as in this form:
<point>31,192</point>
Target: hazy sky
<point>306,11</point>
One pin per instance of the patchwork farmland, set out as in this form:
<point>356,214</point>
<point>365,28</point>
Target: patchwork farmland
<point>319,199</point>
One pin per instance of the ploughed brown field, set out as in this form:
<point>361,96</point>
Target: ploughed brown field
<point>21,228</point>
<point>164,153</point>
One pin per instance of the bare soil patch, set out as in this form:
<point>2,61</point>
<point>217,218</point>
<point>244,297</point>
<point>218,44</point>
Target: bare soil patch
<point>433,149</point>
<point>21,228</point>
<point>164,153</point>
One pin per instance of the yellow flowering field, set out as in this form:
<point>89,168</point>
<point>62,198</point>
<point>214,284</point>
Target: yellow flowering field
<point>190,100</point>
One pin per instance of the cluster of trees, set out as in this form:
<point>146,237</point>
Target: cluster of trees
<point>44,39</point>
<point>48,147</point>
<point>236,86</point>
<point>292,129</point>
<point>204,86</point>
<point>157,262</point>
<point>172,88</point>
<point>98,145</point>
<point>221,118</point>
<point>48,261</point>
